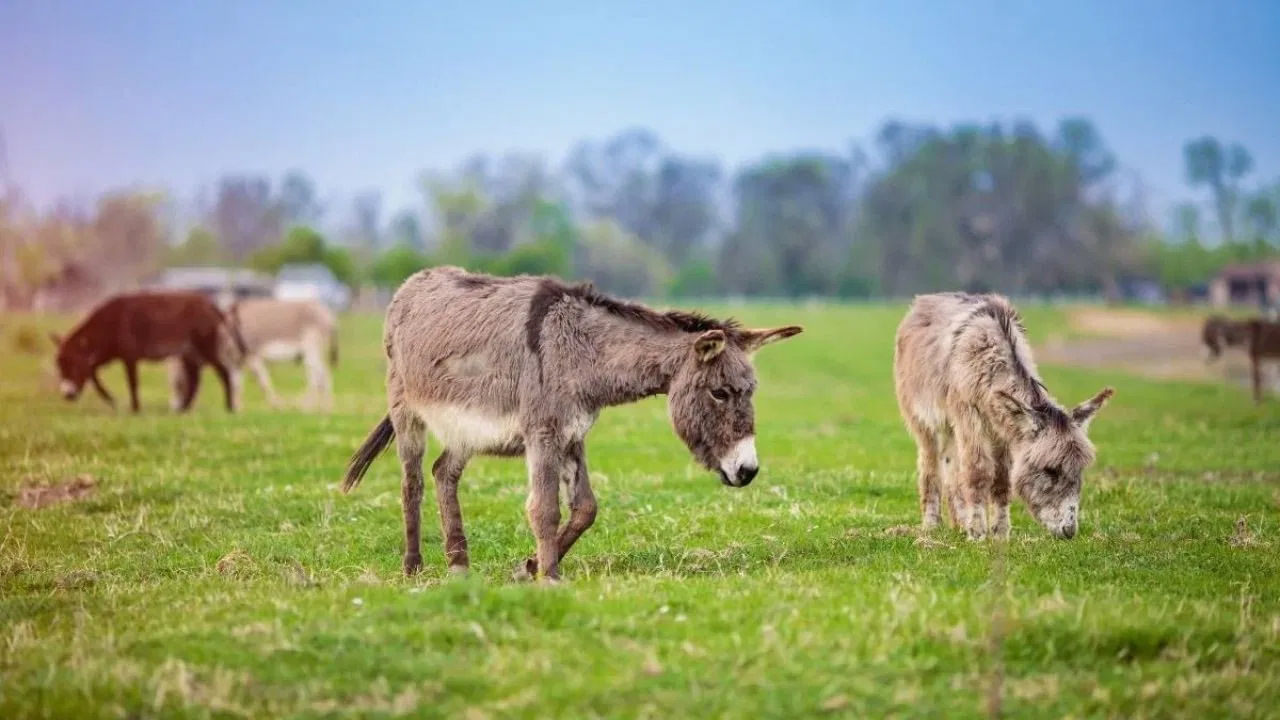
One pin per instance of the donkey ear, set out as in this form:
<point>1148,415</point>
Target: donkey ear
<point>753,340</point>
<point>1084,412</point>
<point>709,344</point>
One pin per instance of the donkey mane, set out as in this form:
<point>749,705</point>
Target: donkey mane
<point>551,291</point>
<point>1009,323</point>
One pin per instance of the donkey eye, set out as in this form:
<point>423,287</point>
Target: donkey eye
<point>720,395</point>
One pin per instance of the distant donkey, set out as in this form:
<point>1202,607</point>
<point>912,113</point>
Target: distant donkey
<point>278,330</point>
<point>1259,338</point>
<point>982,419</point>
<point>522,366</point>
<point>148,326</point>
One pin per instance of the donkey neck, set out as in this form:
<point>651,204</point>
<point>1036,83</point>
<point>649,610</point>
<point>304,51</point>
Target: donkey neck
<point>634,364</point>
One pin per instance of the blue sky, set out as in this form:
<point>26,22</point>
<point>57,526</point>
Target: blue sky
<point>367,95</point>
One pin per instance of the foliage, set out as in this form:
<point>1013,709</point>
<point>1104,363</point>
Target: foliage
<point>792,233</point>
<point>983,208</point>
<point>695,279</point>
<point>201,248</point>
<point>304,245</point>
<point>216,571</point>
<point>396,264</point>
<point>619,263</point>
<point>1220,167</point>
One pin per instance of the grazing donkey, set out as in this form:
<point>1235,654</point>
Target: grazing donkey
<point>982,420</point>
<point>522,366</point>
<point>277,330</point>
<point>1259,338</point>
<point>148,326</point>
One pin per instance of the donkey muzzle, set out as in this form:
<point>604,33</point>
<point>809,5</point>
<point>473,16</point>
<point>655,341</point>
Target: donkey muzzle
<point>739,466</point>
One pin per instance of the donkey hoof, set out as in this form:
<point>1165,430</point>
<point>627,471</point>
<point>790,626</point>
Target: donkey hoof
<point>412,565</point>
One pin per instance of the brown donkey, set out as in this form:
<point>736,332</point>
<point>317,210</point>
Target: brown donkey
<point>982,419</point>
<point>148,326</point>
<point>522,366</point>
<point>1259,338</point>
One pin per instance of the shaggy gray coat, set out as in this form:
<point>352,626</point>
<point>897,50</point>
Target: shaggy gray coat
<point>522,366</point>
<point>983,421</point>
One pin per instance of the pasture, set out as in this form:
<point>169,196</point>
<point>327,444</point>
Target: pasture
<point>212,569</point>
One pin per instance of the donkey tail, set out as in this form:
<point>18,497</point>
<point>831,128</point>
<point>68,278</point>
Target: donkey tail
<point>377,441</point>
<point>333,347</point>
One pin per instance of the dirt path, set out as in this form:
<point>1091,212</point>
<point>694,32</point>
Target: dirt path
<point>1165,347</point>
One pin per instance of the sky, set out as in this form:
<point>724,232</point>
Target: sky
<point>365,96</point>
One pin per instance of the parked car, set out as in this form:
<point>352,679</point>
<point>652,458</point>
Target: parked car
<point>312,282</point>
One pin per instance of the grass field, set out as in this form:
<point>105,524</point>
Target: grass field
<point>216,571</point>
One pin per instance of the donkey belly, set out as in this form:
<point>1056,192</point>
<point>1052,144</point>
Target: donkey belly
<point>473,430</point>
<point>279,350</point>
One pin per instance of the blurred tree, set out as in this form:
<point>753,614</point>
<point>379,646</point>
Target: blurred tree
<point>245,217</point>
<point>367,211</point>
<point>128,238</point>
<point>696,278</point>
<point>991,207</point>
<point>407,231</point>
<point>618,262</point>
<point>200,248</point>
<point>1262,216</point>
<point>304,245</point>
<point>667,201</point>
<point>792,236</point>
<point>394,266</point>
<point>297,202</point>
<point>1221,168</point>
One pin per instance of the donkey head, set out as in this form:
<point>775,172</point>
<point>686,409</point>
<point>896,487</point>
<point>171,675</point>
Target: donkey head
<point>1050,458</point>
<point>1218,333</point>
<point>710,400</point>
<point>75,366</point>
<point>1213,336</point>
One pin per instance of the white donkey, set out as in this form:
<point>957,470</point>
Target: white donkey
<point>281,330</point>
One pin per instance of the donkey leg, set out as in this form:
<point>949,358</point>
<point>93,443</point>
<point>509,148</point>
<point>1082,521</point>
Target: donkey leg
<point>131,375</point>
<point>1257,378</point>
<point>446,470</point>
<point>972,479</point>
<point>177,382</point>
<point>190,382</point>
<point>1000,496</point>
<point>228,384</point>
<point>546,462</point>
<point>410,446</point>
<point>927,477</point>
<point>582,502</point>
<point>582,507</point>
<point>259,370</point>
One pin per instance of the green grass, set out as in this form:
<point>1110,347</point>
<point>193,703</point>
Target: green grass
<point>218,572</point>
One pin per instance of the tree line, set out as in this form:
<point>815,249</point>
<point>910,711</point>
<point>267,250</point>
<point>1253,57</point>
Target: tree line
<point>1008,207</point>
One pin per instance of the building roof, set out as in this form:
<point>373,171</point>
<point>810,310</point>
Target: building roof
<point>1265,267</point>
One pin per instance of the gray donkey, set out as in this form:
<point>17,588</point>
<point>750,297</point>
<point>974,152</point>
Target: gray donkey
<point>982,419</point>
<point>522,366</point>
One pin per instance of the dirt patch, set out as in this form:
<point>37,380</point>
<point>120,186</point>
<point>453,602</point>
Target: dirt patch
<point>34,495</point>
<point>1131,323</point>
<point>1155,345</point>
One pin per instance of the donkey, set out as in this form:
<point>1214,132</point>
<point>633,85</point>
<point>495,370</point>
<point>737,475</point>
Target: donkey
<point>982,419</point>
<point>279,330</point>
<point>523,366</point>
<point>1259,338</point>
<point>148,326</point>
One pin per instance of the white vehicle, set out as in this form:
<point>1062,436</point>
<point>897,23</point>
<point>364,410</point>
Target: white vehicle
<point>312,282</point>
